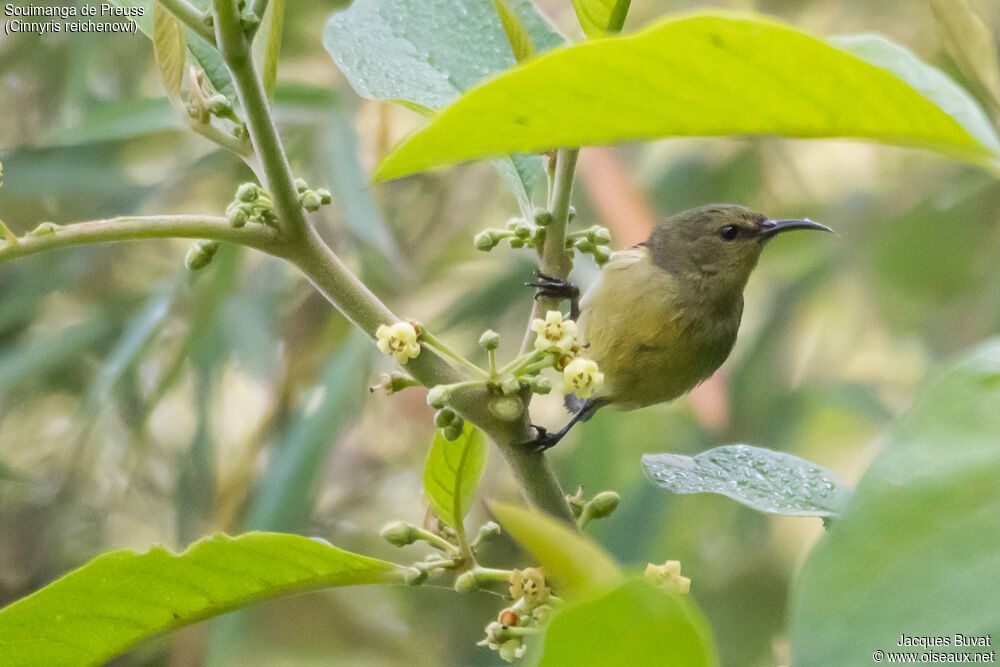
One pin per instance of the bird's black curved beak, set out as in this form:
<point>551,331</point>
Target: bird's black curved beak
<point>771,228</point>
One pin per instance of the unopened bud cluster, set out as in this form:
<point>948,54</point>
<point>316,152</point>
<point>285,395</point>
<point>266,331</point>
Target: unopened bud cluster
<point>204,103</point>
<point>251,204</point>
<point>519,232</point>
<point>311,200</point>
<point>592,241</point>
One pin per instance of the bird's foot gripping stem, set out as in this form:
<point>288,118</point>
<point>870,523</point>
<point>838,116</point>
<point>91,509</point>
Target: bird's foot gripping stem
<point>554,288</point>
<point>544,440</point>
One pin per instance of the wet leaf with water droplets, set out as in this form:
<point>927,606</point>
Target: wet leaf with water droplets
<point>768,481</point>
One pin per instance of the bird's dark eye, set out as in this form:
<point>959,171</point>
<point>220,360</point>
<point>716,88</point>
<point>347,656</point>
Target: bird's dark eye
<point>729,232</point>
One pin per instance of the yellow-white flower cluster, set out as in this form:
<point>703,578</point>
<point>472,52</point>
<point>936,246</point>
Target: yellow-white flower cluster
<point>557,335</point>
<point>668,577</point>
<point>399,340</point>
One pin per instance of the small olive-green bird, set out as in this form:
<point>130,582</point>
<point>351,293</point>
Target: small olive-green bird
<point>663,315</point>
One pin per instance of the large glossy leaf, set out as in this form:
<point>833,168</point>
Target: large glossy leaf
<point>453,471</point>
<point>767,481</point>
<point>428,52</point>
<point>634,624</point>
<point>104,608</point>
<point>706,73</point>
<point>577,564</point>
<point>915,550</point>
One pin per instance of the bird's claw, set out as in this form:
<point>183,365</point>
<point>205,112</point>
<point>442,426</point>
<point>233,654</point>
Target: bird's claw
<point>555,288</point>
<point>543,441</point>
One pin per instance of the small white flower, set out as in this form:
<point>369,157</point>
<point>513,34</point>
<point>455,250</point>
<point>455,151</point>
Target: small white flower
<point>399,340</point>
<point>581,377</point>
<point>668,577</point>
<point>555,334</point>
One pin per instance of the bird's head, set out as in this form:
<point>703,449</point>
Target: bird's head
<point>719,242</point>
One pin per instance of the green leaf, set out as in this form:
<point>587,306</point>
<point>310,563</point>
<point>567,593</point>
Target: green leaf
<point>453,471</point>
<point>970,42</point>
<point>169,47</point>
<point>767,481</point>
<point>927,80</point>
<point>577,564</point>
<point>706,73</point>
<point>915,550</point>
<point>267,44</point>
<point>426,53</point>
<point>107,606</point>
<point>517,34</point>
<point>600,17</point>
<point>634,624</point>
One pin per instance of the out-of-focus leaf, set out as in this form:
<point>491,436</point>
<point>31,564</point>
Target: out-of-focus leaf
<point>914,551</point>
<point>289,486</point>
<point>680,77</point>
<point>600,17</point>
<point>42,355</point>
<point>428,52</point>
<point>107,606</point>
<point>768,481</point>
<point>517,34</point>
<point>969,40</point>
<point>453,471</point>
<point>927,80</point>
<point>115,121</point>
<point>170,49</point>
<point>130,345</point>
<point>634,624</point>
<point>267,44</point>
<point>203,53</point>
<point>577,564</point>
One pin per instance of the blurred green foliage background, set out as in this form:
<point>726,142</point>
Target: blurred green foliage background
<point>141,404</point>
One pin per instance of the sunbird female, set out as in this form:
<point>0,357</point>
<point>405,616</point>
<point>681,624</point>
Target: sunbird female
<point>663,315</point>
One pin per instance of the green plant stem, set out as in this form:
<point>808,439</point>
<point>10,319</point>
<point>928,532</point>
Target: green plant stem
<point>190,16</point>
<point>235,49</point>
<point>258,7</point>
<point>438,345</point>
<point>436,540</point>
<point>145,227</point>
<point>491,574</point>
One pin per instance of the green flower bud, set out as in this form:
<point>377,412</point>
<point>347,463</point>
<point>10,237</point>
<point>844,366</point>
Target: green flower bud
<point>486,241</point>
<point>523,231</point>
<point>444,417</point>
<point>237,215</point>
<point>200,255</point>
<point>490,340</point>
<point>437,397</point>
<point>602,236</point>
<point>44,228</point>
<point>543,218</point>
<point>325,196</point>
<point>514,222</point>
<point>571,214</point>
<point>301,185</point>
<point>583,245</point>
<point>506,408</point>
<point>510,385</point>
<point>488,530</point>
<point>414,576</point>
<point>540,385</point>
<point>311,201</point>
<point>603,504</point>
<point>219,105</point>
<point>601,255</point>
<point>539,236</point>
<point>248,192</point>
<point>208,19</point>
<point>466,582</point>
<point>399,533</point>
<point>394,382</point>
<point>453,431</point>
<point>517,243</point>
